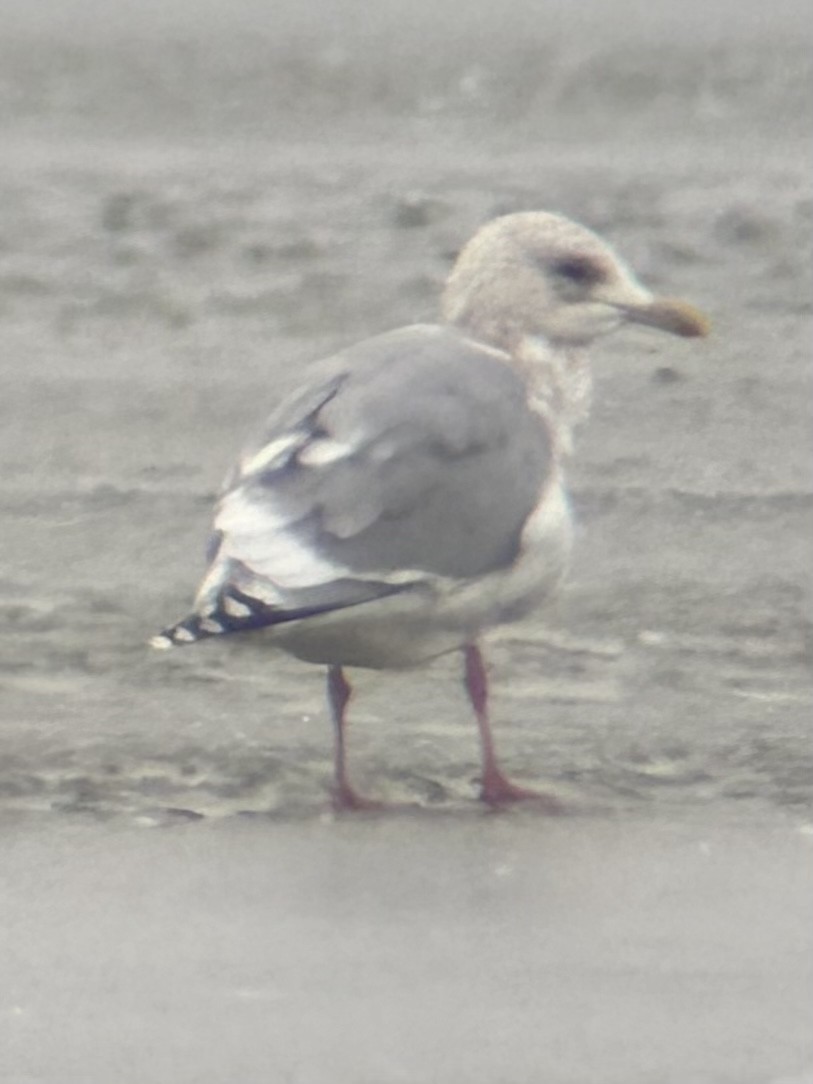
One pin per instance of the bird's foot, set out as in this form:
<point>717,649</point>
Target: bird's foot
<point>496,790</point>
<point>345,799</point>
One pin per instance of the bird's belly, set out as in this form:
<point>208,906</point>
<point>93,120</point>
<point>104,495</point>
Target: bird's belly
<point>440,615</point>
<point>392,633</point>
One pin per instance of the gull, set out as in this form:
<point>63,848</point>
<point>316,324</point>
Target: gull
<point>412,497</point>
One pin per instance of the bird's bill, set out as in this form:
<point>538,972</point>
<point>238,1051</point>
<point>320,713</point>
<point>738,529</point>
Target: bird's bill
<point>669,314</point>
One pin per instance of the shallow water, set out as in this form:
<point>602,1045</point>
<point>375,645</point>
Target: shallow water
<point>493,948</point>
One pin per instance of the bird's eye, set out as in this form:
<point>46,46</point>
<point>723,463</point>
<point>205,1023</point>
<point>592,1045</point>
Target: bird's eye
<point>580,270</point>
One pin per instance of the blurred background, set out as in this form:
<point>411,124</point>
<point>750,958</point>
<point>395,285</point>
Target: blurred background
<point>252,69</point>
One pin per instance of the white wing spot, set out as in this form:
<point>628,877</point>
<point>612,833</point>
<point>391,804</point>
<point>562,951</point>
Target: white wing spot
<point>254,534</point>
<point>234,608</point>
<point>263,459</point>
<point>183,636</point>
<point>208,624</point>
<point>321,453</point>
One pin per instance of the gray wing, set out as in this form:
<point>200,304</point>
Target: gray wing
<point>418,457</point>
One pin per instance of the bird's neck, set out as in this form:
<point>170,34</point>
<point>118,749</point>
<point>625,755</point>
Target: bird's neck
<point>560,383</point>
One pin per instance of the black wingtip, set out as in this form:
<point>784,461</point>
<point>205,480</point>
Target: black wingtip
<point>238,611</point>
<point>189,631</point>
<point>235,612</point>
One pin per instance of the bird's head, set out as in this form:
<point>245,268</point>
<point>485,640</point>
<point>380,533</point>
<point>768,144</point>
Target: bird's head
<point>540,275</point>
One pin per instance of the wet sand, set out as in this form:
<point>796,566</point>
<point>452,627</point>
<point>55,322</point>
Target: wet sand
<point>184,227</point>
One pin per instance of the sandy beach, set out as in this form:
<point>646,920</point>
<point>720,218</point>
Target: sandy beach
<point>192,210</point>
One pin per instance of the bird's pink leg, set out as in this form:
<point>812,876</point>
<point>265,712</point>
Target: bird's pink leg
<point>495,788</point>
<point>345,797</point>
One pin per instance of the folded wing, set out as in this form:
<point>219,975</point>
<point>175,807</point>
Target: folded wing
<point>417,459</point>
